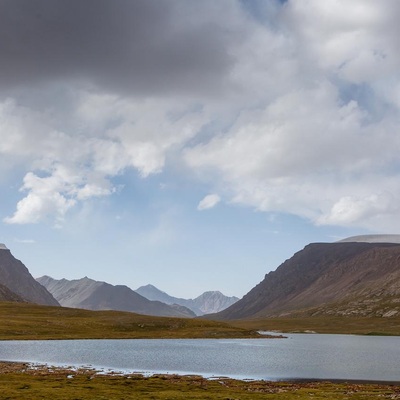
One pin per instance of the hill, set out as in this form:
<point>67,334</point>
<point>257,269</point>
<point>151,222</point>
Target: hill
<point>17,279</point>
<point>207,303</point>
<point>31,321</point>
<point>89,294</point>
<point>348,278</point>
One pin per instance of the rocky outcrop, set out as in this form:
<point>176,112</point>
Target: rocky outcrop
<point>16,277</point>
<point>326,276</point>
<point>89,294</point>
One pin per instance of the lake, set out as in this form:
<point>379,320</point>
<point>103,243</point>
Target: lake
<point>300,356</point>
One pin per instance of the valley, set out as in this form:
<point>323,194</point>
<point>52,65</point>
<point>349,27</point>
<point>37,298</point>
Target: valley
<point>352,286</point>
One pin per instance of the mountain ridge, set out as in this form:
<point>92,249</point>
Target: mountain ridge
<point>15,276</point>
<point>90,294</point>
<point>324,274</point>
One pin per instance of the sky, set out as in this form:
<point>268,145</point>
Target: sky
<point>194,145</point>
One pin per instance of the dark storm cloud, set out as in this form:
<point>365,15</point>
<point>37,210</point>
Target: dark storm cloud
<point>140,46</point>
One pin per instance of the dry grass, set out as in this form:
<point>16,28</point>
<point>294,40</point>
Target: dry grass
<point>325,324</point>
<point>28,321</point>
<point>18,381</point>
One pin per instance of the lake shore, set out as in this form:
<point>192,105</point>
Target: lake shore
<point>20,380</point>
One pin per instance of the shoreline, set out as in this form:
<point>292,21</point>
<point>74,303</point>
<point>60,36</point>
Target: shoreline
<point>42,369</point>
<point>23,380</point>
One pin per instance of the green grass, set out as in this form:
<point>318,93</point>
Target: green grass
<point>28,321</point>
<point>62,384</point>
<point>325,324</point>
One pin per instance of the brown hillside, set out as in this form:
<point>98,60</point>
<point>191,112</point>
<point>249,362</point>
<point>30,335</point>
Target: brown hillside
<point>322,275</point>
<point>16,277</point>
<point>7,295</point>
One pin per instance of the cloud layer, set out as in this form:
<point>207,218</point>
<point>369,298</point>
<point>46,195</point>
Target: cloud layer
<point>293,110</point>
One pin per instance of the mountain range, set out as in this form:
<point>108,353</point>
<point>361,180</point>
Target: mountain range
<point>18,285</point>
<point>359,276</point>
<point>95,295</point>
<point>207,303</point>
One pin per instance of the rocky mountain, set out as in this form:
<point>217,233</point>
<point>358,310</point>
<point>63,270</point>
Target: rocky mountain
<point>17,279</point>
<point>357,276</point>
<point>206,303</point>
<point>94,295</point>
<point>213,301</point>
<point>7,295</point>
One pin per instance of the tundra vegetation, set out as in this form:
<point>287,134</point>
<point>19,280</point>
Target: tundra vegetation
<point>22,381</point>
<point>30,321</point>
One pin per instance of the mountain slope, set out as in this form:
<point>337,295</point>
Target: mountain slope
<point>16,277</point>
<point>7,295</point>
<point>324,274</point>
<point>94,295</point>
<point>206,303</point>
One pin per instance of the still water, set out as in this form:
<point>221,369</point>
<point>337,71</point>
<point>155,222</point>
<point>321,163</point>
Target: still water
<point>300,356</point>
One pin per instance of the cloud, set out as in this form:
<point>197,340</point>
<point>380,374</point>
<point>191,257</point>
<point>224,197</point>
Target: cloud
<point>140,47</point>
<point>53,195</point>
<point>295,109</point>
<point>324,145</point>
<point>69,167</point>
<point>348,210</point>
<point>210,201</point>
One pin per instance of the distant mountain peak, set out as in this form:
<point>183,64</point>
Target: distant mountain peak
<point>208,302</point>
<point>3,246</point>
<point>211,292</point>
<point>149,286</point>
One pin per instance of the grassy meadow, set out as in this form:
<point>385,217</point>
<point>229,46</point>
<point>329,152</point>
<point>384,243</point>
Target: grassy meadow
<point>29,321</point>
<point>19,381</point>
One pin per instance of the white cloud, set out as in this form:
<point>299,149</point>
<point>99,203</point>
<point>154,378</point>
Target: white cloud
<point>67,168</point>
<point>53,195</point>
<point>302,154</point>
<point>304,120</point>
<point>349,209</point>
<point>46,197</point>
<point>210,201</point>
